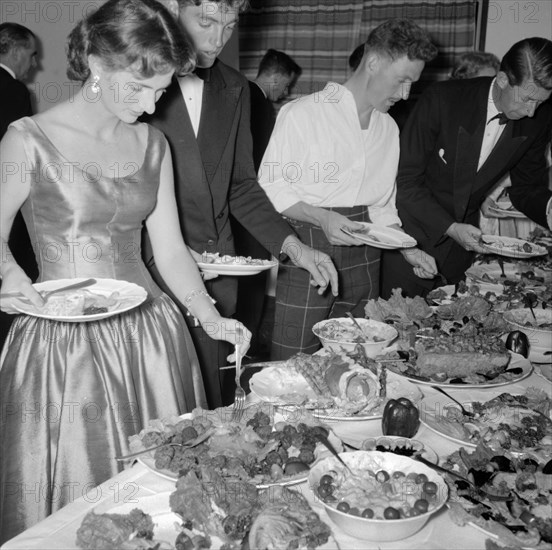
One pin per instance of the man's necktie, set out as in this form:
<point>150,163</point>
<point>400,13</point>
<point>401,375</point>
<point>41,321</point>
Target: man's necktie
<point>501,117</point>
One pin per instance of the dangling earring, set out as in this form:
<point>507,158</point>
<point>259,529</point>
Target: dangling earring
<point>95,86</point>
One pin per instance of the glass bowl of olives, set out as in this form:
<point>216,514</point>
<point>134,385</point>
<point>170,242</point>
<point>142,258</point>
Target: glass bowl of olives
<point>387,497</point>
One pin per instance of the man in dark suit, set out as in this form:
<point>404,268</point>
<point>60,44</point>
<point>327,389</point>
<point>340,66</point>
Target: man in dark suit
<point>206,119</point>
<point>461,138</point>
<point>18,55</point>
<point>277,73</point>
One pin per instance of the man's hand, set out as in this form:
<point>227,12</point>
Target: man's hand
<point>424,265</point>
<point>332,222</point>
<point>486,207</point>
<point>467,236</point>
<point>317,263</point>
<point>198,258</point>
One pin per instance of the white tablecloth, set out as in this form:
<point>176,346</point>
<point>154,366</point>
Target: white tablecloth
<point>58,530</point>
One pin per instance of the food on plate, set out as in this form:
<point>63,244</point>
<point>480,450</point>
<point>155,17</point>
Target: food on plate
<point>402,446</point>
<point>79,302</point>
<point>256,449</point>
<point>398,308</point>
<point>108,531</point>
<point>400,417</point>
<point>216,258</point>
<point>517,342</point>
<point>235,513</point>
<point>344,330</point>
<point>514,422</point>
<point>470,306</point>
<point>517,498</point>
<point>351,387</point>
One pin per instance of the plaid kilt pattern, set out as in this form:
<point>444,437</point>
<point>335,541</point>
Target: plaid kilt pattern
<point>298,306</point>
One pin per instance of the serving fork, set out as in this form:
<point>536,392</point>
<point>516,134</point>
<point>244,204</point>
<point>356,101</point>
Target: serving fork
<point>239,394</point>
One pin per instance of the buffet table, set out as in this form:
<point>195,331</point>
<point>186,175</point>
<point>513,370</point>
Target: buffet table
<point>138,482</point>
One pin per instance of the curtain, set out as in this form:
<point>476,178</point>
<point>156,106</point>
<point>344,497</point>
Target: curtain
<point>321,34</point>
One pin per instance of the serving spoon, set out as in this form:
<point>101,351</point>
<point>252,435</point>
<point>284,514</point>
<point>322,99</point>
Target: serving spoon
<point>356,323</point>
<point>462,408</point>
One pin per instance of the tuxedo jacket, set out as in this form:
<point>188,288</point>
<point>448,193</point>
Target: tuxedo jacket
<point>15,100</point>
<point>263,118</point>
<point>438,182</point>
<point>214,174</point>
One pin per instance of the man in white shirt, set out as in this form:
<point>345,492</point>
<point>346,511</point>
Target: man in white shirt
<point>205,118</point>
<point>462,137</point>
<point>330,164</point>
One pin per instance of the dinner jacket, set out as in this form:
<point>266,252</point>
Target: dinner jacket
<point>15,100</point>
<point>263,118</point>
<point>214,173</point>
<point>438,182</point>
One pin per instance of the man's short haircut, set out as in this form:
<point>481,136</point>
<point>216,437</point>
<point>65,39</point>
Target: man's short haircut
<point>13,35</point>
<point>530,59</point>
<point>471,63</point>
<point>238,5</point>
<point>276,62</point>
<point>399,37</point>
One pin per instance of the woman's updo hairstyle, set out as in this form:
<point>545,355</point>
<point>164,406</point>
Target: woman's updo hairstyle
<point>140,36</point>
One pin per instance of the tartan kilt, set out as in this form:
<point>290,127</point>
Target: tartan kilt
<point>298,306</point>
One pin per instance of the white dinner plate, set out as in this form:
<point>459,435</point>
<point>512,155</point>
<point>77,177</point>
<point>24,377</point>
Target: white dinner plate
<point>517,361</point>
<point>130,296</point>
<point>432,422</point>
<point>285,387</point>
<point>236,269</point>
<point>321,452</point>
<point>381,236</point>
<point>512,247</point>
<point>510,213</point>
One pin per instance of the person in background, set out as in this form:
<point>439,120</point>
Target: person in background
<point>73,392</point>
<point>331,163</point>
<point>276,75</point>
<point>461,139</point>
<point>206,119</point>
<point>18,58</point>
<point>474,64</point>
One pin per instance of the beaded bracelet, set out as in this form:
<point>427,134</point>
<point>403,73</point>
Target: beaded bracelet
<point>190,297</point>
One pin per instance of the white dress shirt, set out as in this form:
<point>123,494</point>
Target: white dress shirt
<point>493,129</point>
<point>319,154</point>
<point>191,87</point>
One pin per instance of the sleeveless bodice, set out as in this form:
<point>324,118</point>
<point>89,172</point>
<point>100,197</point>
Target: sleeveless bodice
<point>85,223</point>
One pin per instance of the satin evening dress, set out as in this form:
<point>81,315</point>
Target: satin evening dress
<point>72,393</point>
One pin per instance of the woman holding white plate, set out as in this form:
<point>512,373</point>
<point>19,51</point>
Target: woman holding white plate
<point>87,176</point>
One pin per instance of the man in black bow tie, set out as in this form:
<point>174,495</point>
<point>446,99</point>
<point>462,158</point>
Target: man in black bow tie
<point>459,141</point>
<point>206,119</point>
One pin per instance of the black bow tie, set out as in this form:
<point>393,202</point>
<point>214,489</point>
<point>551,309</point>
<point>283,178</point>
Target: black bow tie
<point>202,73</point>
<point>501,117</point>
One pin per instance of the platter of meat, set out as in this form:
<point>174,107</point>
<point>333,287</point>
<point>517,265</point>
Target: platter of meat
<point>332,386</point>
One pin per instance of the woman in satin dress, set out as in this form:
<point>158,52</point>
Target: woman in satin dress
<point>87,176</point>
